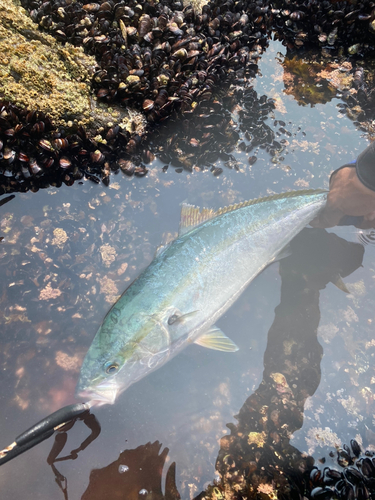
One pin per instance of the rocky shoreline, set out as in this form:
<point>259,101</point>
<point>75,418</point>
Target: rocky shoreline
<point>85,83</point>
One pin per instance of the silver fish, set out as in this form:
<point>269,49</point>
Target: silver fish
<point>187,287</point>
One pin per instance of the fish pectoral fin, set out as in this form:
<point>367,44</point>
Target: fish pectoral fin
<point>337,281</point>
<point>178,317</point>
<point>216,339</point>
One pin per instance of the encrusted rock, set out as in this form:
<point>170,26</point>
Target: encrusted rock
<point>37,72</point>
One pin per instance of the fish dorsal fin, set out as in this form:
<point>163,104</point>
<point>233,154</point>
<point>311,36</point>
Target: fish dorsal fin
<point>192,216</point>
<point>256,201</point>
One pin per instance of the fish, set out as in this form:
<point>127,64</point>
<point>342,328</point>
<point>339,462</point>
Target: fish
<point>188,286</point>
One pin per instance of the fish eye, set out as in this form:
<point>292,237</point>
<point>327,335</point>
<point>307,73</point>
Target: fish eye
<point>111,368</point>
<point>172,319</point>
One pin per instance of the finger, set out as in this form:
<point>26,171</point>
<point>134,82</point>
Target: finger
<point>327,218</point>
<point>370,216</point>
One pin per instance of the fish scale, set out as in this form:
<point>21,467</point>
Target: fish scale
<point>188,286</point>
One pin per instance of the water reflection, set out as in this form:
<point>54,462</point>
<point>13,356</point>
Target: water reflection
<point>59,444</point>
<point>135,474</point>
<point>313,78</point>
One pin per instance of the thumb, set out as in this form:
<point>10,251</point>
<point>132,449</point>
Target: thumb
<point>370,216</point>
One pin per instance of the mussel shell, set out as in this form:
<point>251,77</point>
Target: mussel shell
<point>126,166</point>
<point>331,476</point>
<point>25,172</point>
<point>112,133</point>
<point>47,162</point>
<point>217,171</point>
<point>321,493</point>
<point>46,145</point>
<point>148,37</point>
<point>131,31</point>
<point>34,167</point>
<point>148,105</point>
<point>353,443</point>
<point>352,475</point>
<point>23,157</point>
<point>65,162</point>
<point>140,171</point>
<point>61,143</point>
<point>144,25</point>
<point>252,159</point>
<point>9,155</point>
<point>161,98</point>
<point>344,490</point>
<point>343,458</point>
<point>162,21</point>
<point>366,466</point>
<point>102,93</point>
<point>362,492</point>
<point>97,157</point>
<point>148,156</point>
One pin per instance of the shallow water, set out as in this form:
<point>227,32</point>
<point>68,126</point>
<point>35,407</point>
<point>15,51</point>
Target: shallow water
<point>68,253</point>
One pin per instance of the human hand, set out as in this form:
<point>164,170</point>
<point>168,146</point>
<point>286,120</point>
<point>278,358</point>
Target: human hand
<point>347,196</point>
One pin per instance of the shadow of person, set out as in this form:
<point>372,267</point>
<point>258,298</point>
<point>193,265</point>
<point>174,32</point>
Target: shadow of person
<point>257,460</point>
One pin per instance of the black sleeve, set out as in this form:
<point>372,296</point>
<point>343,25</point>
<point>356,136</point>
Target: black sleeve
<point>365,166</point>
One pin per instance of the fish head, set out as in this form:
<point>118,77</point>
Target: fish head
<point>123,354</point>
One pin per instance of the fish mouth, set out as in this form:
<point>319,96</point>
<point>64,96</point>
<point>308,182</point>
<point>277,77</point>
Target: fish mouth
<point>103,394</point>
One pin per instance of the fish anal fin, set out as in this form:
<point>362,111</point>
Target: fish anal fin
<point>216,339</point>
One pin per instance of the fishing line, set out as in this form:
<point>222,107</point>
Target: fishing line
<point>42,430</point>
<point>5,200</point>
